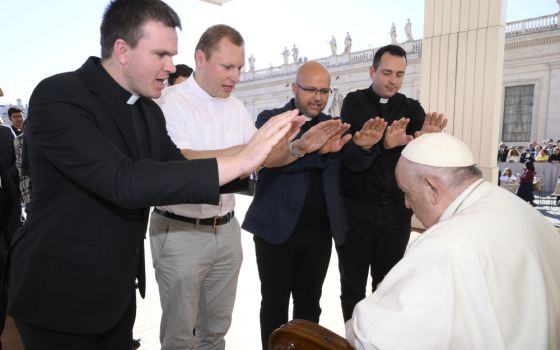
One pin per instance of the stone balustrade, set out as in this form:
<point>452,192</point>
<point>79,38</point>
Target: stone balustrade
<point>525,26</point>
<point>363,56</point>
<point>531,25</point>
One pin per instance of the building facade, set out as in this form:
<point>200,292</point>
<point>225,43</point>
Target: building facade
<point>531,80</point>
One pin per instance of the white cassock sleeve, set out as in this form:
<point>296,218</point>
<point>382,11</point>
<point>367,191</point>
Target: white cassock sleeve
<point>411,309</point>
<point>472,281</point>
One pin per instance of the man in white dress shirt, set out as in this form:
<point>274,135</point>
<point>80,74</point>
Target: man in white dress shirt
<point>484,275</point>
<point>196,248</point>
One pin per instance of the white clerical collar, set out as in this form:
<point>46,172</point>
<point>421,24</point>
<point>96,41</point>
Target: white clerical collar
<point>307,119</point>
<point>132,99</point>
<point>383,100</point>
<point>460,200</point>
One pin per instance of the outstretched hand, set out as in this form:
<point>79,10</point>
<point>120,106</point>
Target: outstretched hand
<point>371,133</point>
<point>327,132</point>
<point>280,128</point>
<point>396,134</point>
<point>317,136</point>
<point>336,141</point>
<point>434,122</point>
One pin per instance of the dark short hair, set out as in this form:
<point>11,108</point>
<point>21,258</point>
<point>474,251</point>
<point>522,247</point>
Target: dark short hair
<point>181,70</point>
<point>13,110</point>
<point>530,166</point>
<point>212,36</point>
<point>123,19</point>
<point>394,50</point>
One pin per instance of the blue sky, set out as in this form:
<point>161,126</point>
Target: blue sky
<point>41,38</point>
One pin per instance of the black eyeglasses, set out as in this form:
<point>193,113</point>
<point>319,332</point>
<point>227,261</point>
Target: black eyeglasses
<point>313,91</point>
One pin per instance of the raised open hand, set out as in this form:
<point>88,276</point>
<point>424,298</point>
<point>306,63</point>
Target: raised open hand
<point>434,122</point>
<point>280,128</point>
<point>371,133</point>
<point>336,141</point>
<point>314,138</point>
<point>396,134</point>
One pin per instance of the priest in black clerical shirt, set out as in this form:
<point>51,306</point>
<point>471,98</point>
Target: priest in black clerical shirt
<point>297,209</point>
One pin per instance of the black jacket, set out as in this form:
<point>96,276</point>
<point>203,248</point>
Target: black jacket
<point>280,192</point>
<point>74,263</point>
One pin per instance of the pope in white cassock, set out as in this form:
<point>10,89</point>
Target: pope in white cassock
<point>484,275</point>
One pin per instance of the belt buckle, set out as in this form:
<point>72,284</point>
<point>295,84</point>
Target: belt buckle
<point>215,220</point>
<point>224,217</point>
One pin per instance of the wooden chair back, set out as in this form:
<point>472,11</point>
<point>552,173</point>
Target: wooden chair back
<point>305,335</point>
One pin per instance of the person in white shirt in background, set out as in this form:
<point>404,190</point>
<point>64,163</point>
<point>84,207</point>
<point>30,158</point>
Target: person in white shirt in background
<point>484,275</point>
<point>508,176</point>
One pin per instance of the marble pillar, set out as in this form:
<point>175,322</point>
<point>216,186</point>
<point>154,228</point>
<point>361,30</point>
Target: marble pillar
<point>462,71</point>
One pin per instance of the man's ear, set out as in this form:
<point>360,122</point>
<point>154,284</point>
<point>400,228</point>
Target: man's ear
<point>433,188</point>
<point>121,51</point>
<point>199,57</point>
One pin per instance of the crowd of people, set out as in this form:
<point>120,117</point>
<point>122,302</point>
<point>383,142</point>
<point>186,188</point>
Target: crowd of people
<point>126,132</point>
<point>547,151</point>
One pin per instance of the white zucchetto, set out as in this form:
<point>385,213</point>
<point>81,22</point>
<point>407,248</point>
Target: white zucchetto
<point>438,149</point>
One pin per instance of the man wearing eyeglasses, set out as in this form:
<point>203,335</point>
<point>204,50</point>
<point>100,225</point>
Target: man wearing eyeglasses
<point>298,208</point>
<point>378,219</point>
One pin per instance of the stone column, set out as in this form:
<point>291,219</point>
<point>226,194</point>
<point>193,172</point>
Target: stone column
<point>552,121</point>
<point>462,71</point>
<point>558,20</point>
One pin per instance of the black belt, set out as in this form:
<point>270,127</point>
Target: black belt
<point>215,221</point>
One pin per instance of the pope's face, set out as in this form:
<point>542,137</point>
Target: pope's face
<point>417,194</point>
